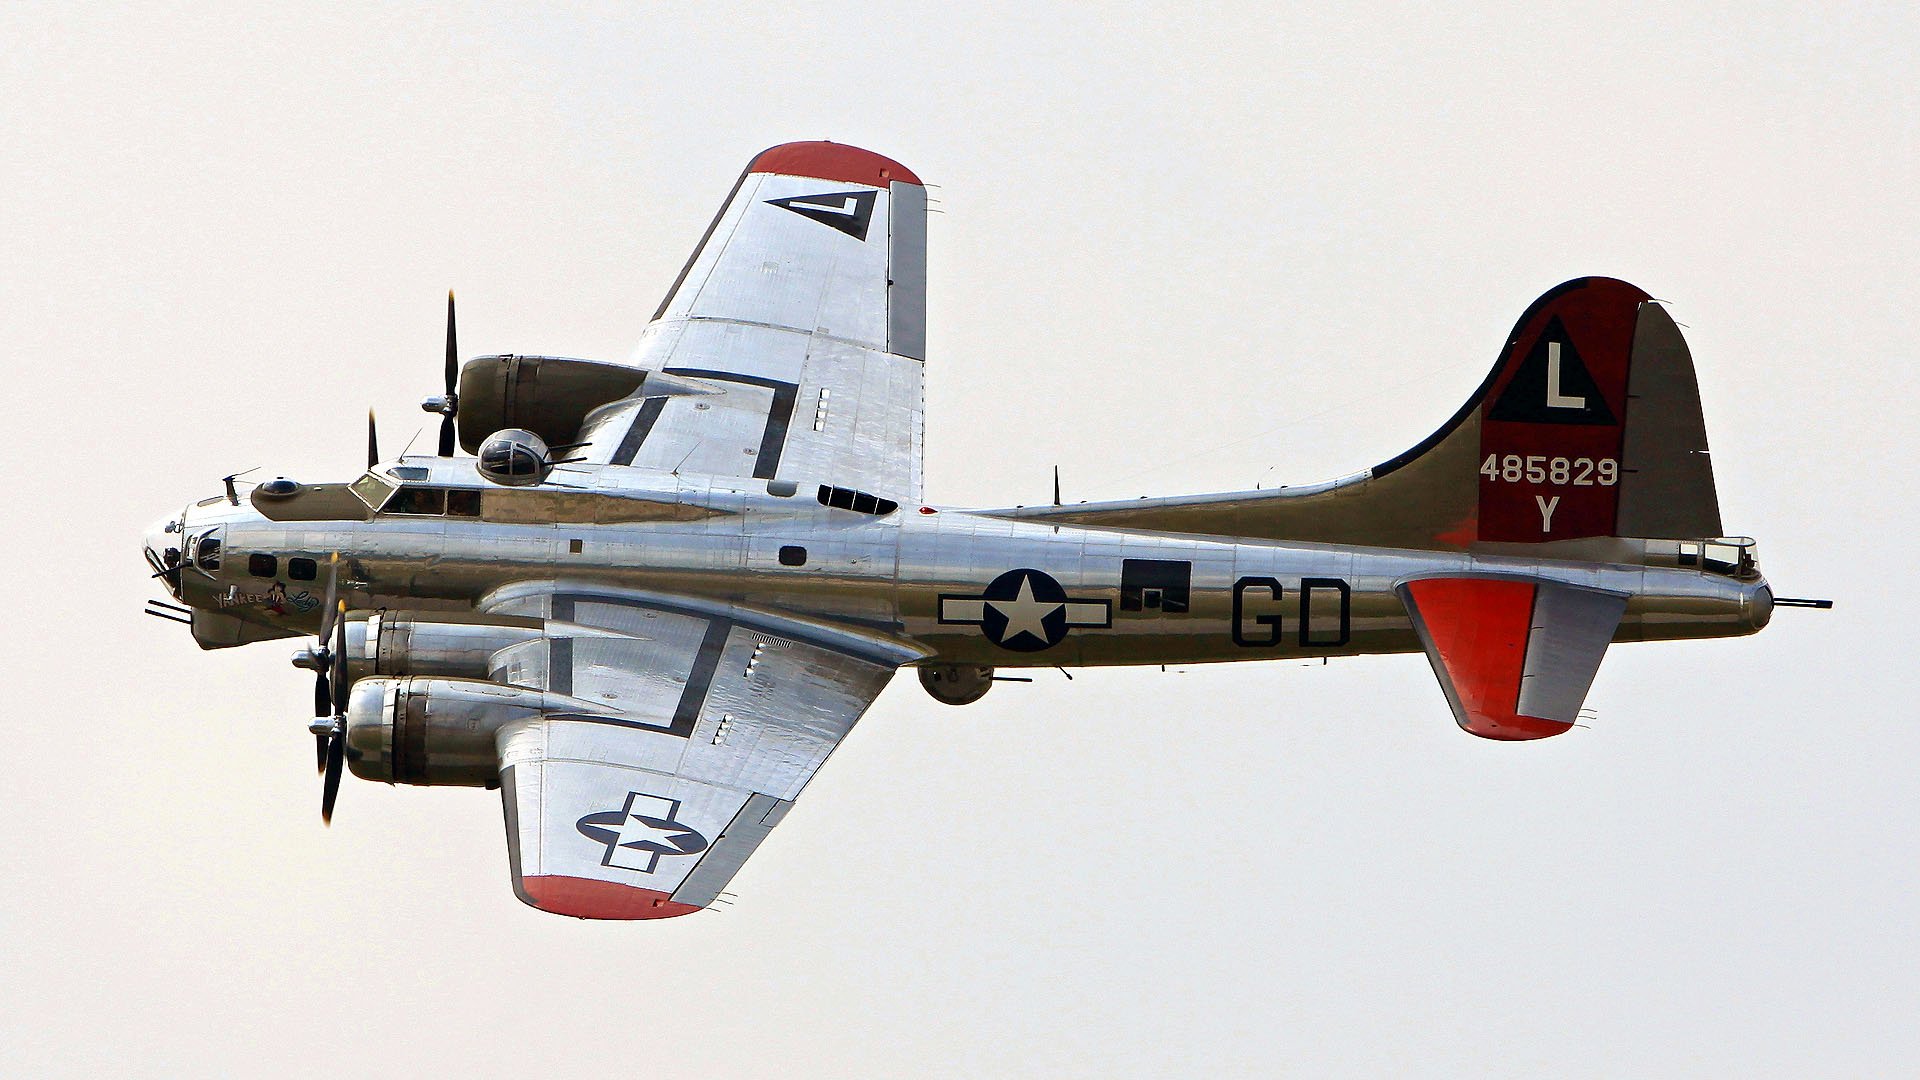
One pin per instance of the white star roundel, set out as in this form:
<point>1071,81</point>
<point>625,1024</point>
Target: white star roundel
<point>637,834</point>
<point>1025,611</point>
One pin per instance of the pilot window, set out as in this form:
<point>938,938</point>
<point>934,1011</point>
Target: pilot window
<point>302,569</point>
<point>463,503</point>
<point>262,565</point>
<point>417,500</point>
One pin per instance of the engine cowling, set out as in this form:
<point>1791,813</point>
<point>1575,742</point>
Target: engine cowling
<point>547,395</point>
<point>420,643</point>
<point>957,684</point>
<point>436,732</point>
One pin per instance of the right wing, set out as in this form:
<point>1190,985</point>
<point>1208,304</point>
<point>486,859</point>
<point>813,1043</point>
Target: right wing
<point>805,306</point>
<point>695,730</point>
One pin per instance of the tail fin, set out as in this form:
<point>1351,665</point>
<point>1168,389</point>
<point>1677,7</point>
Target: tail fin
<point>1589,425</point>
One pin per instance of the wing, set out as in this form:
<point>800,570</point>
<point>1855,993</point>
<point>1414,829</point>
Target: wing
<point>708,723</point>
<point>1515,656</point>
<point>805,304</point>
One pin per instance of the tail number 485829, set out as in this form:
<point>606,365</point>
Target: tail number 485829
<point>1541,469</point>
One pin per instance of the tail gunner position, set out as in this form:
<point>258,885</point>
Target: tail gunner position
<point>662,592</point>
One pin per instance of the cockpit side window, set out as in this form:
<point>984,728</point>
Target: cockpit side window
<point>417,500</point>
<point>420,499</point>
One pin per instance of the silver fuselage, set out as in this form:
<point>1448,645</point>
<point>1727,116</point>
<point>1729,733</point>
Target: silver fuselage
<point>915,575</point>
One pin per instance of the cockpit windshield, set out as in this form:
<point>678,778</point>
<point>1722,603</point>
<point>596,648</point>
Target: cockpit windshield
<point>372,490</point>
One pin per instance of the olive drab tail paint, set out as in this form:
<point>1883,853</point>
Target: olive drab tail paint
<point>1588,425</point>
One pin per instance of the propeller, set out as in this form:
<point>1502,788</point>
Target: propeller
<point>373,442</point>
<point>328,664</point>
<point>336,739</point>
<point>448,404</point>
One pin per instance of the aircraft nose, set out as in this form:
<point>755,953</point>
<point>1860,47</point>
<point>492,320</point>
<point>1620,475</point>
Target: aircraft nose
<point>161,537</point>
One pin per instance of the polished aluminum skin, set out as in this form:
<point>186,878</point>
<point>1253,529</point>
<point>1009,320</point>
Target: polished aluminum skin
<point>650,622</point>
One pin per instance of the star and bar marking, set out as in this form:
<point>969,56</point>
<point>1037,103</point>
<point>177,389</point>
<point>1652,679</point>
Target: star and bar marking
<point>642,831</point>
<point>1026,611</point>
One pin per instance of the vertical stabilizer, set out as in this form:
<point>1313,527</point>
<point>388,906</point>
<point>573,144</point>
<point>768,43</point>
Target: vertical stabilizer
<point>1589,425</point>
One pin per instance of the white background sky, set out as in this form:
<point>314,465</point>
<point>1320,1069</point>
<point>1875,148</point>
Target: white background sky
<point>1178,252</point>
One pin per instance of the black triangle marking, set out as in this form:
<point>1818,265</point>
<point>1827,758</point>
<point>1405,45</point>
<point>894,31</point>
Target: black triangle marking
<point>848,211</point>
<point>1535,397</point>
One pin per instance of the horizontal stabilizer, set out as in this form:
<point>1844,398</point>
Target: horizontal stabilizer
<point>1515,656</point>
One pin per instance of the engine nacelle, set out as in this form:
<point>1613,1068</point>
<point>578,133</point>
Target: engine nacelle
<point>547,395</point>
<point>957,684</point>
<point>432,643</point>
<point>436,731</point>
<point>515,457</point>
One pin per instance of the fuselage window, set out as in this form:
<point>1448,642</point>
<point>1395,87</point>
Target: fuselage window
<point>302,569</point>
<point>463,503</point>
<point>417,500</point>
<point>207,555</point>
<point>260,565</point>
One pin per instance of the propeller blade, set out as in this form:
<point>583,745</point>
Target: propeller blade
<point>453,385</point>
<point>319,754</point>
<point>322,695</point>
<point>333,594</point>
<point>339,672</point>
<point>336,760</point>
<point>373,442</point>
<point>453,351</point>
<point>333,745</point>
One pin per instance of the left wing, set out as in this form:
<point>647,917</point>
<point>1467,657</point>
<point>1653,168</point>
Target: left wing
<point>707,724</point>
<point>805,306</point>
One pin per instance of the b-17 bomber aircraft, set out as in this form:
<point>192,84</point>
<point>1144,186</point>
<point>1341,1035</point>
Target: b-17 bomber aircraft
<point>660,593</point>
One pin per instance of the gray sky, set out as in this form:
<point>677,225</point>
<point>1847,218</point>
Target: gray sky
<point>1178,253</point>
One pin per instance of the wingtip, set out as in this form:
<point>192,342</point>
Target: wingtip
<point>586,898</point>
<point>1515,728</point>
<point>832,161</point>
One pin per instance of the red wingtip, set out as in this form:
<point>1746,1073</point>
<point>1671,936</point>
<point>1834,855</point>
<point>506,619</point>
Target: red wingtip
<point>832,161</point>
<point>1514,728</point>
<point>585,898</point>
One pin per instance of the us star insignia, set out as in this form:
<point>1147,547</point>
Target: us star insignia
<point>1026,611</point>
<point>640,832</point>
